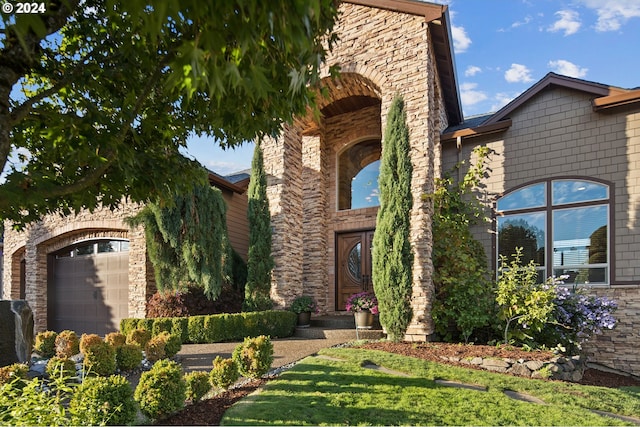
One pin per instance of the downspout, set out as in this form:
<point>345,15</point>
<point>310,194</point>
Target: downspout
<point>459,147</point>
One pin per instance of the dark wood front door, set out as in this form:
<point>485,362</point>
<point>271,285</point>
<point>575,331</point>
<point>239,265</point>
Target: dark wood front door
<point>353,265</point>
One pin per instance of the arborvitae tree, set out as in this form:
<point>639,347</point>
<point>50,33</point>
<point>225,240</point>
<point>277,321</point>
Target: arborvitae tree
<point>260,262</point>
<point>392,256</point>
<point>187,241</point>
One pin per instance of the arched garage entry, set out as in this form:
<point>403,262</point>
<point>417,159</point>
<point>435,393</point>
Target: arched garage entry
<point>88,286</point>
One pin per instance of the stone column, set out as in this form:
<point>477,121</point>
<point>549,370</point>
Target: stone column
<point>423,117</point>
<point>314,220</point>
<point>283,166</point>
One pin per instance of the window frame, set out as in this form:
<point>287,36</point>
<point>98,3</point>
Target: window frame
<point>549,208</point>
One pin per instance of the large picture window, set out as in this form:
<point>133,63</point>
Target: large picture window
<point>562,225</point>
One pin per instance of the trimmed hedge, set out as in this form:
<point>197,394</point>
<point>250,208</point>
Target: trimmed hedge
<point>219,327</point>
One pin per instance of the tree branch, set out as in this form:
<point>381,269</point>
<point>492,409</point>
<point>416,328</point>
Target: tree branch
<point>23,109</point>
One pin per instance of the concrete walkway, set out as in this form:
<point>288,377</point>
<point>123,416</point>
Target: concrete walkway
<point>199,357</point>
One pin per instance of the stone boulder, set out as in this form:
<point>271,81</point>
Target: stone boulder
<point>16,332</point>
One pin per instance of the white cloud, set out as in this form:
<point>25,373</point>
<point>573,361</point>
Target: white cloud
<point>472,70</point>
<point>469,95</point>
<point>613,14</point>
<point>569,22</point>
<point>518,73</point>
<point>567,68</point>
<point>501,99</point>
<point>461,41</point>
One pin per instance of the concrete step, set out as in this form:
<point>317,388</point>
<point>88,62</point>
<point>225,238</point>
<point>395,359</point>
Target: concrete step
<point>338,326</point>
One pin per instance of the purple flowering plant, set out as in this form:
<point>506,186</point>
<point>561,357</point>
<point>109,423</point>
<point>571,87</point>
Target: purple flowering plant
<point>579,315</point>
<point>362,301</point>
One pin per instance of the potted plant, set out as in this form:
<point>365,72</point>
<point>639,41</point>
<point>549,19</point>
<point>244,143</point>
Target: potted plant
<point>304,306</point>
<point>363,305</point>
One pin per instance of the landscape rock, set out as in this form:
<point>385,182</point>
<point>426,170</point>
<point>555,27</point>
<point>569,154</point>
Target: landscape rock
<point>16,332</point>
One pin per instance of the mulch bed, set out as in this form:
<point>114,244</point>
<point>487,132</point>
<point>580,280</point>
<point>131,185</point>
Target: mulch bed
<point>209,412</point>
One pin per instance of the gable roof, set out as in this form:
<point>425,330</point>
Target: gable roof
<point>605,97</point>
<point>437,18</point>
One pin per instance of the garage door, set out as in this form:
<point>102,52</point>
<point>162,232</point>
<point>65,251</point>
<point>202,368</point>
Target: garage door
<point>89,287</point>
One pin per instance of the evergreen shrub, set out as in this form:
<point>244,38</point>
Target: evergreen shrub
<point>87,340</point>
<point>67,344</point>
<point>100,359</point>
<point>156,348</point>
<point>116,339</point>
<point>254,356</point>
<point>224,372</point>
<point>60,367</point>
<point>13,372</point>
<point>197,385</point>
<point>139,336</point>
<point>45,344</point>
<point>103,401</point>
<point>128,357</point>
<point>161,390</point>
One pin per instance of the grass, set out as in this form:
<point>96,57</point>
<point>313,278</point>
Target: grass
<point>321,391</point>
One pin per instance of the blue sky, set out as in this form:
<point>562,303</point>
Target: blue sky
<point>502,47</point>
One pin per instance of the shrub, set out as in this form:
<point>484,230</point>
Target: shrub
<point>87,340</point>
<point>576,317</point>
<point>180,328</point>
<point>45,344</point>
<point>254,356</point>
<point>197,331</point>
<point>167,304</point>
<point>116,339</point>
<point>67,344</point>
<point>224,372</point>
<point>464,302</point>
<point>12,372</point>
<point>139,336</point>
<point>173,344</point>
<point>197,385</point>
<point>156,348</point>
<point>128,357</point>
<point>522,299</point>
<point>100,401</point>
<point>161,390</point>
<point>163,324</point>
<point>61,367</point>
<point>100,359</point>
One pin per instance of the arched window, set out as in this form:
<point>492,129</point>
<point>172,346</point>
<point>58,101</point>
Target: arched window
<point>562,225</point>
<point>358,170</point>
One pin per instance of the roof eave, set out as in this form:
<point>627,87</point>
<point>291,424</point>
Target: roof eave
<point>605,103</point>
<point>220,182</point>
<point>476,131</point>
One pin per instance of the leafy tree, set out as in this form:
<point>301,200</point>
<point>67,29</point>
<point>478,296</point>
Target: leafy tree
<point>463,290</point>
<point>187,240</point>
<point>259,262</point>
<point>392,256</point>
<point>98,96</point>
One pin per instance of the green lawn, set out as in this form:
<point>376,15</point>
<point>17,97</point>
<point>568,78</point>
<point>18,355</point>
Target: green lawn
<point>321,391</point>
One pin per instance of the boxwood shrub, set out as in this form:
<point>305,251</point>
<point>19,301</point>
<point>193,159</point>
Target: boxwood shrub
<point>219,327</point>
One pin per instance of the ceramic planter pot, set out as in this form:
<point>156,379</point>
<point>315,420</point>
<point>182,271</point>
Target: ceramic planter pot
<point>304,319</point>
<point>364,319</point>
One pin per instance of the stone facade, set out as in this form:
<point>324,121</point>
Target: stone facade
<point>55,232</point>
<point>381,53</point>
<point>555,132</point>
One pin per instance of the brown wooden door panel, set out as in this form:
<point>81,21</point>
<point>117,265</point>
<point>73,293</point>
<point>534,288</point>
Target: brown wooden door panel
<point>353,265</point>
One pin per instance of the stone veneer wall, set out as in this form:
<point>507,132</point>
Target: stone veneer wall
<point>392,54</point>
<point>557,134</point>
<point>55,232</point>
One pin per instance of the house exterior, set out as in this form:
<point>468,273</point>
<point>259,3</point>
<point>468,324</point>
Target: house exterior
<point>88,271</point>
<point>322,225</point>
<point>564,183</point>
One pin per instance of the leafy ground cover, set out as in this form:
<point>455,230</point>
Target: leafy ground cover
<point>344,387</point>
